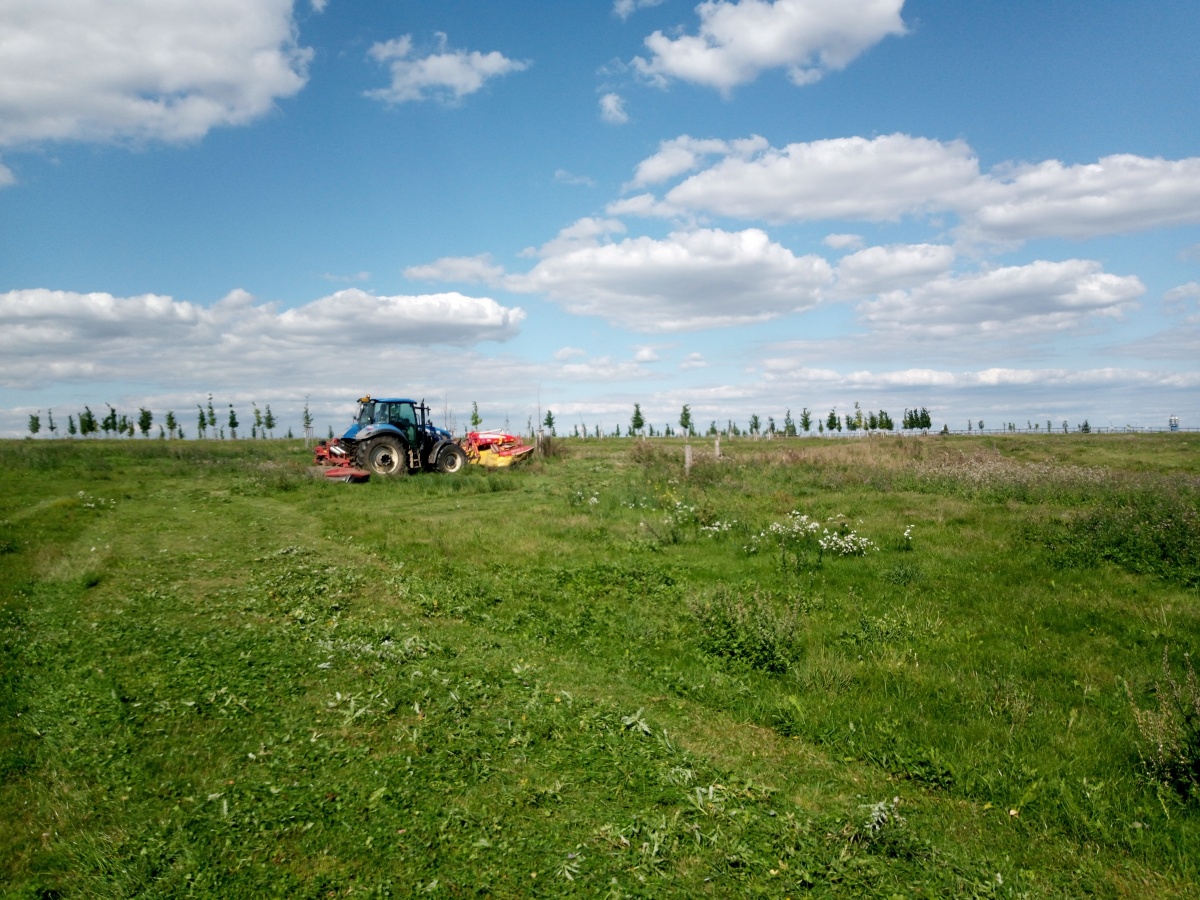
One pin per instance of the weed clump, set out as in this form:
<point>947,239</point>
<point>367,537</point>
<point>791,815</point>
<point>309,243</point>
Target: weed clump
<point>844,541</point>
<point>986,475</point>
<point>797,537</point>
<point>1169,736</point>
<point>1147,531</point>
<point>903,574</point>
<point>551,447</point>
<point>752,631</point>
<point>881,817</point>
<point>802,542</point>
<point>651,456</point>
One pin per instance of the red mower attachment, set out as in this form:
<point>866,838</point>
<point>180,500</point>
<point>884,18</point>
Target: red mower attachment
<point>494,448</point>
<point>337,463</point>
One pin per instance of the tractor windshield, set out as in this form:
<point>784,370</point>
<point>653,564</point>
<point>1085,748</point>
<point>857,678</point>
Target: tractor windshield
<point>366,412</point>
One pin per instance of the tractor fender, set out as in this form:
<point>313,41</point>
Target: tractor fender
<point>369,432</point>
<point>436,450</point>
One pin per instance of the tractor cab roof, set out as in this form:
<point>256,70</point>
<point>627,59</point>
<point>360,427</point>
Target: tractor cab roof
<point>370,399</point>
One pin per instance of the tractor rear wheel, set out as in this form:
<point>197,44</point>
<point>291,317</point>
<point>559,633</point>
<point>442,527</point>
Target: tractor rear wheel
<point>386,456</point>
<point>452,459</point>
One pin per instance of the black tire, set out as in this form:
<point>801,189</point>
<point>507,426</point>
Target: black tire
<point>386,456</point>
<point>451,460</point>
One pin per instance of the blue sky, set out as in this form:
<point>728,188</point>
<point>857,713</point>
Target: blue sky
<point>991,209</point>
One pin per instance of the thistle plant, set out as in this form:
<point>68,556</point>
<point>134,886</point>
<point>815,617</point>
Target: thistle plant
<point>1169,737</point>
<point>879,816</point>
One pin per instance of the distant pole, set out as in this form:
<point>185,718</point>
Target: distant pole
<point>687,459</point>
<point>717,446</point>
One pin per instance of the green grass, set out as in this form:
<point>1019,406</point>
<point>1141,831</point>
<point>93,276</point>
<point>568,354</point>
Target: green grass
<point>593,676</point>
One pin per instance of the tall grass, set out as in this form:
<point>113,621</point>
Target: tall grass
<point>1170,733</point>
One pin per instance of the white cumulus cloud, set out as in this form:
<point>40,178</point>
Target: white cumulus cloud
<point>877,269</point>
<point>585,232</point>
<point>623,9</point>
<point>737,41</point>
<point>892,176</point>
<point>166,70</point>
<point>1116,194</point>
<point>50,335</point>
<point>1183,292</point>
<point>446,75</point>
<point>600,369</point>
<point>1037,299</point>
<point>685,153</point>
<point>705,278</point>
<point>353,316</point>
<point>612,109</point>
<point>854,178</point>
<point>466,269</point>
<point>843,241</point>
<point>1031,385</point>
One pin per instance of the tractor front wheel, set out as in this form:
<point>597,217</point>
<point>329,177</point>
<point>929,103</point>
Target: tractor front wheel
<point>386,456</point>
<point>452,459</point>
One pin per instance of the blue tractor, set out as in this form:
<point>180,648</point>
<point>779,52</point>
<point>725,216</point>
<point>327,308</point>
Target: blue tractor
<point>393,436</point>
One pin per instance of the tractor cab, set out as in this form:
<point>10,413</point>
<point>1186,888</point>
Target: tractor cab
<point>407,417</point>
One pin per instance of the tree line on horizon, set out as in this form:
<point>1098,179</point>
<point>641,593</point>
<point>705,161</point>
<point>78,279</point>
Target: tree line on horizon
<point>207,424</point>
<point>116,424</point>
<point>639,426</point>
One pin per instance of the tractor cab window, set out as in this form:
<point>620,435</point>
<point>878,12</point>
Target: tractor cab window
<point>402,415</point>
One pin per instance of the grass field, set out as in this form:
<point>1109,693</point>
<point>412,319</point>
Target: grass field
<point>918,667</point>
